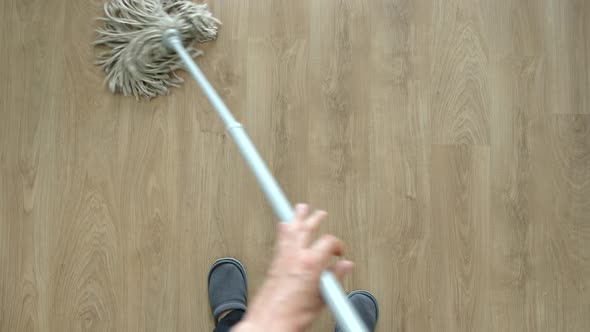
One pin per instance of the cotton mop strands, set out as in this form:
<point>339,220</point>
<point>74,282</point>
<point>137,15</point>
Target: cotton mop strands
<point>134,59</point>
<point>146,45</point>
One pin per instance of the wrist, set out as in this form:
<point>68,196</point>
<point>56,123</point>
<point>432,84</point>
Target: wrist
<point>267,323</point>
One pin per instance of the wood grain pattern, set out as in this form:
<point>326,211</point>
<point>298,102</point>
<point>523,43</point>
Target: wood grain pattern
<point>567,36</point>
<point>460,243</point>
<point>449,140</point>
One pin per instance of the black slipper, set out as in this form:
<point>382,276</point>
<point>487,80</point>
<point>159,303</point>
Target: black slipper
<point>366,306</point>
<point>227,286</point>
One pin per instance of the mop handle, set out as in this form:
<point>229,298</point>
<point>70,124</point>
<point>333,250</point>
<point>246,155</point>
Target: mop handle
<point>330,289</point>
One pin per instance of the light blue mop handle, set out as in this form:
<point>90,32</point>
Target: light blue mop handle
<point>330,289</point>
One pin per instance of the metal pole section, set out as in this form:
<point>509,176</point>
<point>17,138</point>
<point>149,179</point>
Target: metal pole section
<point>330,289</point>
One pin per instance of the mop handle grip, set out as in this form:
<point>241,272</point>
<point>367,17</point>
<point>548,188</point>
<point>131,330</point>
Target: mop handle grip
<point>330,289</point>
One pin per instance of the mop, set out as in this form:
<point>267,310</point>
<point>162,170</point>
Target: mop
<point>145,42</point>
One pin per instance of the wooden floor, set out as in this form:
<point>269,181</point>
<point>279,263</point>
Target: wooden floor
<point>448,139</point>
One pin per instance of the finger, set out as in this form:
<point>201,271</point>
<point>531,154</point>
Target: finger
<point>292,227</point>
<point>311,225</point>
<point>287,237</point>
<point>313,221</point>
<point>327,247</point>
<point>282,235</point>
<point>282,231</point>
<point>301,211</point>
<point>298,224</point>
<point>342,268</point>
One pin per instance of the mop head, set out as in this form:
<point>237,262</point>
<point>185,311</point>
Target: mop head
<point>134,57</point>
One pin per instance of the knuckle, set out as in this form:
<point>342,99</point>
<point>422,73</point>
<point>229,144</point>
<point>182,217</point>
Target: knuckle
<point>329,238</point>
<point>309,261</point>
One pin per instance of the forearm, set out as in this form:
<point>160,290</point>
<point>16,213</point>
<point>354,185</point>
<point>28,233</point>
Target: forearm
<point>269,320</point>
<point>248,325</point>
<point>271,312</point>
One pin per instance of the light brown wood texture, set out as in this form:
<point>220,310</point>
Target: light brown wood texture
<point>448,139</point>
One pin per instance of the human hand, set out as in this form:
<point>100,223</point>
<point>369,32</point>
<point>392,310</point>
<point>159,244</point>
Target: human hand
<point>290,300</point>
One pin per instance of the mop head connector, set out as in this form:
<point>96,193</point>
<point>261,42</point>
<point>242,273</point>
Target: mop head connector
<point>134,56</point>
